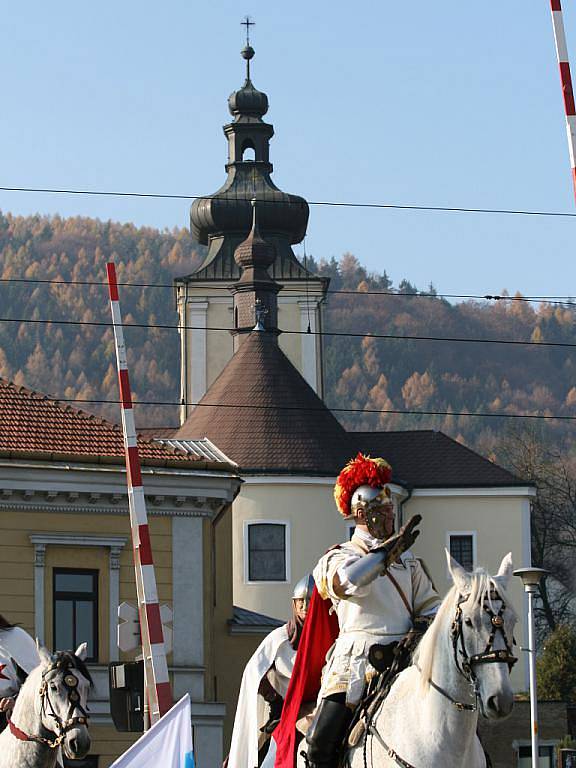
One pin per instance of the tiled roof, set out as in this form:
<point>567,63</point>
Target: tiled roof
<point>245,621</point>
<point>264,415</point>
<point>428,459</point>
<point>35,424</point>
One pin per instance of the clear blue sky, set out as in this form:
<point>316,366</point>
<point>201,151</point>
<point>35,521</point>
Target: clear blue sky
<point>445,103</point>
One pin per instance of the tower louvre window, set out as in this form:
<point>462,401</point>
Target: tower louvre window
<point>248,152</point>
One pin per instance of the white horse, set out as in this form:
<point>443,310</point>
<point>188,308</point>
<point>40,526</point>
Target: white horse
<point>50,712</point>
<point>461,667</point>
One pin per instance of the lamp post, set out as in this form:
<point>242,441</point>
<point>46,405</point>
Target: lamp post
<point>531,578</point>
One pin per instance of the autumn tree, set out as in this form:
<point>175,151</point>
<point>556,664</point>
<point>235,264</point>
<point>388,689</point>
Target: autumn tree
<point>556,667</point>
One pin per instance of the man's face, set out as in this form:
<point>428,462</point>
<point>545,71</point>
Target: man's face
<point>301,607</point>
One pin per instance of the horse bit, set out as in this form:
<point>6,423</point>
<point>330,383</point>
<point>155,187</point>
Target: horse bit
<point>466,663</point>
<point>70,682</point>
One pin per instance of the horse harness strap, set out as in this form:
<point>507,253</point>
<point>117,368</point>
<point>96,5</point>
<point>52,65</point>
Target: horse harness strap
<point>389,751</point>
<point>460,706</point>
<point>23,736</point>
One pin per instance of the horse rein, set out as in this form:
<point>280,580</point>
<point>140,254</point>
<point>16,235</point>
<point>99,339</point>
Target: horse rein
<point>466,666</point>
<point>70,682</point>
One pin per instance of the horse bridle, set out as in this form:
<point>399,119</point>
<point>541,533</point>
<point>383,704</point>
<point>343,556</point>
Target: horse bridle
<point>70,682</point>
<point>465,664</point>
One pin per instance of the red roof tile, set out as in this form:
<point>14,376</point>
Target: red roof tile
<point>33,423</point>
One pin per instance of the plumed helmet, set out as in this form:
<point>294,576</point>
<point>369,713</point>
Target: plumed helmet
<point>360,471</point>
<point>303,589</point>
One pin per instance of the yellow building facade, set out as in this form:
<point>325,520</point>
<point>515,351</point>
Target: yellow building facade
<point>66,559</point>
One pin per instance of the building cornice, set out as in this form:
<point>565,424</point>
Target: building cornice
<point>519,491</point>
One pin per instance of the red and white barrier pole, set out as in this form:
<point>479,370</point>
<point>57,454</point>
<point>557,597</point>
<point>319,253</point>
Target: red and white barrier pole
<point>157,682</point>
<point>566,81</point>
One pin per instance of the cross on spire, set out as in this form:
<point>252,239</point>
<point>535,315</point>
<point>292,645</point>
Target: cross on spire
<point>247,22</point>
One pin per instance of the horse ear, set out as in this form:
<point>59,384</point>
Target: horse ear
<point>21,675</point>
<point>505,570</point>
<point>460,577</point>
<point>82,651</point>
<point>45,655</point>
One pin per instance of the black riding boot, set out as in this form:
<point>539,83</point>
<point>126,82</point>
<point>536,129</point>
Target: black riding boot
<point>327,732</point>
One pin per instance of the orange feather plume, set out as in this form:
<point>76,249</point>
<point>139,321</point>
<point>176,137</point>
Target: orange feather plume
<point>363,470</point>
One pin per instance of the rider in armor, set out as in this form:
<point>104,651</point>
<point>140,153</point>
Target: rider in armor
<point>264,685</point>
<point>378,588</point>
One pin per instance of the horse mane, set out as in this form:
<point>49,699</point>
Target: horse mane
<point>481,586</point>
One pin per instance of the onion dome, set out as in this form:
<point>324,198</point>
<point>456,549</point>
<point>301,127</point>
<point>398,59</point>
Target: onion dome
<point>248,100</point>
<point>221,220</point>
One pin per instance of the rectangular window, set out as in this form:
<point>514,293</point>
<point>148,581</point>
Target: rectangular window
<point>545,756</point>
<point>266,551</point>
<point>462,549</point>
<point>75,594</point>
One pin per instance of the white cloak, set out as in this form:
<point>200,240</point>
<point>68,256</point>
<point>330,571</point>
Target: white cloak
<point>251,710</point>
<point>15,644</point>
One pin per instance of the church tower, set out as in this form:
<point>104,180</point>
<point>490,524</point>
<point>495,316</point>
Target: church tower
<point>222,221</point>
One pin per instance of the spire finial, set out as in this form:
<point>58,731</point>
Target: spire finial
<point>247,51</point>
<point>247,22</point>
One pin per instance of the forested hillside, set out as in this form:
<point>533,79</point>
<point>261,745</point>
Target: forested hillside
<point>71,361</point>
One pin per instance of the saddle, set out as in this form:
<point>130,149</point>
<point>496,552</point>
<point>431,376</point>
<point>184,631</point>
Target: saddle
<point>388,660</point>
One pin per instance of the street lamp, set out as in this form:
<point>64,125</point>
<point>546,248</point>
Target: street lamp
<point>531,578</point>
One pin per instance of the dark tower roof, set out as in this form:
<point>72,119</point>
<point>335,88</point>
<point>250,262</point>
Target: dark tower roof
<point>221,220</point>
<point>266,417</point>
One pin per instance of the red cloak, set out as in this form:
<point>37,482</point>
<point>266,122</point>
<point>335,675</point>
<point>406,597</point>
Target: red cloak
<point>318,634</point>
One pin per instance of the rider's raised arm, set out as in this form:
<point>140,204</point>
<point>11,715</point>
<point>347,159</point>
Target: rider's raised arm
<point>330,574</point>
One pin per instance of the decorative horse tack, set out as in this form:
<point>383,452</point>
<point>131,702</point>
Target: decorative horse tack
<point>70,682</point>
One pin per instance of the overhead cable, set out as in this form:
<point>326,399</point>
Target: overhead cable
<point>343,334</point>
<point>326,203</point>
<point>254,407</point>
<point>567,301</point>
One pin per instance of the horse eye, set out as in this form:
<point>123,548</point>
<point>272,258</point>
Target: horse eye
<point>53,687</point>
<point>468,621</point>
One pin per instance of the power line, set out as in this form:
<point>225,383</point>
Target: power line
<point>327,203</point>
<point>254,407</point>
<point>560,300</point>
<point>341,334</point>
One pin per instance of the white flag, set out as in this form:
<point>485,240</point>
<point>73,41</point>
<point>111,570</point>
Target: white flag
<point>168,743</point>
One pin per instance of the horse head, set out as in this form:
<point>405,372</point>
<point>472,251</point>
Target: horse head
<point>482,634</point>
<point>63,685</point>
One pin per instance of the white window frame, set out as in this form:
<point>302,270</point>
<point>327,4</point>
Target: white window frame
<point>114,544</point>
<point>474,535</point>
<point>287,551</point>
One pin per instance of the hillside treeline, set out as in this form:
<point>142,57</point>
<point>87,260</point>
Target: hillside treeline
<point>71,361</point>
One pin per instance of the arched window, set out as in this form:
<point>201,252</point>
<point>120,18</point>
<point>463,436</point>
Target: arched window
<point>248,151</point>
